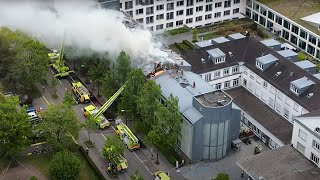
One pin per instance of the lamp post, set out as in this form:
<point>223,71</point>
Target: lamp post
<point>177,166</point>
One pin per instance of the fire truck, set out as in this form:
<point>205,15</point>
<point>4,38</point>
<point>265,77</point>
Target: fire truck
<point>125,134</point>
<point>81,92</point>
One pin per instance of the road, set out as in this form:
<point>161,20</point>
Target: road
<point>136,160</point>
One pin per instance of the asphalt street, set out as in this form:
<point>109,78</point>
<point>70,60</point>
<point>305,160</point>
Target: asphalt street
<point>136,160</point>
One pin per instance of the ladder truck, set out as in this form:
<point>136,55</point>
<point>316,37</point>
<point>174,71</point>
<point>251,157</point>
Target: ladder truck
<point>125,134</point>
<point>61,70</point>
<point>116,161</point>
<point>81,92</point>
<point>98,113</point>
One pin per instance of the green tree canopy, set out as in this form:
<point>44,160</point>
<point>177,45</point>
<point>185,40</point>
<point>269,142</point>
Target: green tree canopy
<point>65,166</point>
<point>136,176</point>
<point>113,146</point>
<point>122,67</point>
<point>222,176</point>
<point>58,123</point>
<point>15,127</point>
<point>91,125</point>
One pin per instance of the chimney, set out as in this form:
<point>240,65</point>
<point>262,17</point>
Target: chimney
<point>194,84</point>
<point>155,65</point>
<point>181,62</point>
<point>182,72</point>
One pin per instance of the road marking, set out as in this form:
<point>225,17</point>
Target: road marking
<point>142,163</point>
<point>59,81</point>
<point>73,138</point>
<point>45,100</point>
<point>66,89</point>
<point>52,71</point>
<point>82,110</point>
<point>38,143</point>
<point>103,136</point>
<point>113,128</point>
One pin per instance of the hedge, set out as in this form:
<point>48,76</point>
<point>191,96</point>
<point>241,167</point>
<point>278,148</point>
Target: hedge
<point>188,43</point>
<point>182,46</point>
<point>91,163</point>
<point>176,31</point>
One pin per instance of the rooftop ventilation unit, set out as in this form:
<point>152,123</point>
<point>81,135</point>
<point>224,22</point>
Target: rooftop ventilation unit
<point>310,95</point>
<point>317,130</point>
<point>230,54</point>
<point>203,61</point>
<point>278,73</point>
<point>291,73</point>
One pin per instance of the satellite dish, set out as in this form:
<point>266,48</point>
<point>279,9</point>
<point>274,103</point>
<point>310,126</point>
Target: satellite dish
<point>143,2</point>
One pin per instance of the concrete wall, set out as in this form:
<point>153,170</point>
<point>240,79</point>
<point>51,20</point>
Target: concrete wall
<point>186,139</point>
<point>110,4</point>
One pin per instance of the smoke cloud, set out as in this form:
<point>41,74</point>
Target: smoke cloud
<point>85,29</point>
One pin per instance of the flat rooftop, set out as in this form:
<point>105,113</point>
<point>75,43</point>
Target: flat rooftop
<point>214,99</point>
<point>295,10</point>
<point>262,113</point>
<point>284,163</point>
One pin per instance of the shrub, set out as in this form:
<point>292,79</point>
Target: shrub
<point>176,31</point>
<point>222,176</point>
<point>301,56</point>
<point>188,43</point>
<point>254,26</point>
<point>182,47</point>
<point>33,178</point>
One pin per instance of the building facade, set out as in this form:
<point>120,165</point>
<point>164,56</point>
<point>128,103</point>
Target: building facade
<point>158,15</point>
<point>306,136</point>
<point>285,28</point>
<point>210,122</point>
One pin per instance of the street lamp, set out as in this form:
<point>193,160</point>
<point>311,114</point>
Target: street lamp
<point>177,166</point>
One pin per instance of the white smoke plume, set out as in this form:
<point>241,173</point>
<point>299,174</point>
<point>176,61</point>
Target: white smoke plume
<point>85,29</point>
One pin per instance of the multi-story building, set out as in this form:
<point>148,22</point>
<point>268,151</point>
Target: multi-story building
<point>305,37</point>
<point>158,15</point>
<point>306,136</point>
<point>210,122</point>
<point>273,88</point>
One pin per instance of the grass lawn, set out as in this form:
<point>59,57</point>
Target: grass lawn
<point>209,36</point>
<point>42,163</point>
<point>176,31</point>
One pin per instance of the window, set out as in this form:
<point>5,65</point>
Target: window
<point>226,72</point>
<point>218,4</point>
<point>178,23</point>
<point>286,113</point>
<point>160,16</point>
<point>302,135</point>
<point>296,106</point>
<point>280,95</point>
<point>279,20</point>
<point>235,82</point>
<point>217,14</point>
<point>217,74</point>
<point>235,11</point>
<point>180,12</point>
<point>189,20</point>
<point>149,19</point>
<point>170,24</point>
<point>180,3</point>
<point>130,13</point>
<point>258,79</point>
<point>226,13</point>
<point>208,7</point>
<point>199,18</point>
<point>259,65</point>
<point>314,159</point>
<point>160,7</point>
<point>219,60</point>
<point>160,26</point>
<point>244,82</point>
<point>170,15</point>
<point>189,3</point>
<point>227,84</point>
<point>199,1</point>
<point>235,69</point>
<point>295,29</point>
<point>294,89</point>
<point>300,148</point>
<point>149,10</point>
<point>208,77</point>
<point>286,24</point>
<point>189,11</point>
<point>199,8</point>
<point>208,16</point>
<point>170,6</point>
<point>316,145</point>
<point>128,5</point>
<point>227,3</point>
<point>140,20</point>
<point>271,102</point>
<point>208,1</point>
<point>218,86</point>
<point>236,1</point>
<point>265,84</point>
<point>278,107</point>
<point>139,11</point>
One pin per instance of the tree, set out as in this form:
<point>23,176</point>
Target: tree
<point>222,176</point>
<point>130,94</point>
<point>122,67</point>
<point>113,146</point>
<point>97,71</point>
<point>154,138</point>
<point>195,35</point>
<point>65,166</point>
<point>59,122</point>
<point>68,100</point>
<point>302,56</point>
<point>91,125</point>
<point>136,176</point>
<point>15,127</point>
<point>148,103</point>
<point>54,84</point>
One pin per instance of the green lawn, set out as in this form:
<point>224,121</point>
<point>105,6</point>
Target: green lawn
<point>176,31</point>
<point>42,163</point>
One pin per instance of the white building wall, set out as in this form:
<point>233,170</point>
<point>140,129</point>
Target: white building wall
<point>271,96</point>
<point>196,3</point>
<point>292,33</point>
<point>306,142</point>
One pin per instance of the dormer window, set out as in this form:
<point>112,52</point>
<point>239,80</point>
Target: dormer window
<point>294,89</point>
<point>259,65</point>
<point>264,62</point>
<point>216,55</point>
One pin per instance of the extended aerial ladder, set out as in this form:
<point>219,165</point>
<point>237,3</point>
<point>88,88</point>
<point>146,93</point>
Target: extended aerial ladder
<point>98,114</point>
<point>125,134</point>
<point>116,161</point>
<point>61,70</point>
